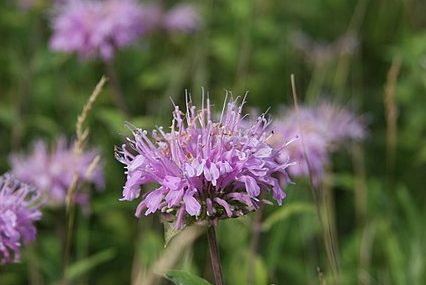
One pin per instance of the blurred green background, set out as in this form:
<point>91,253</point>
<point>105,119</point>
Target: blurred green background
<point>340,51</point>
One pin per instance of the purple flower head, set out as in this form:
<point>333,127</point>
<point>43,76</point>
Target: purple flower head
<point>341,124</point>
<point>205,169</point>
<point>18,211</point>
<point>184,18</point>
<point>94,28</point>
<point>52,170</point>
<point>316,132</point>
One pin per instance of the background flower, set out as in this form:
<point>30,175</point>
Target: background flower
<point>182,18</point>
<point>93,28</point>
<point>52,170</point>
<point>316,131</point>
<point>18,211</point>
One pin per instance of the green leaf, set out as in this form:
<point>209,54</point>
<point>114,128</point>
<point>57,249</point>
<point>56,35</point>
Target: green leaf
<point>184,278</point>
<point>285,212</point>
<point>170,232</point>
<point>83,266</point>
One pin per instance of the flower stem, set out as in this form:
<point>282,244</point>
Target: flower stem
<point>214,256</point>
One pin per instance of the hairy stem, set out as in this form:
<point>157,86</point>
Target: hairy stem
<point>214,256</point>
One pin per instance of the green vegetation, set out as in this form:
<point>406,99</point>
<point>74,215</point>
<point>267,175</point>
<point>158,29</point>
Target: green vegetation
<point>368,55</point>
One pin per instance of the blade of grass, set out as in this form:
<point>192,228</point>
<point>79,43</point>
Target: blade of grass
<point>321,204</point>
<point>391,117</point>
<point>82,135</point>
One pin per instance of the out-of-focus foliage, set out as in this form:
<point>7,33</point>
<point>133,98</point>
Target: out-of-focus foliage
<point>185,278</point>
<point>372,206</point>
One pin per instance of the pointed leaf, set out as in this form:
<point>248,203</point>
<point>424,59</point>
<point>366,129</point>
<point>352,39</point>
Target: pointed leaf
<point>85,265</point>
<point>185,278</point>
<point>286,211</point>
<point>170,232</point>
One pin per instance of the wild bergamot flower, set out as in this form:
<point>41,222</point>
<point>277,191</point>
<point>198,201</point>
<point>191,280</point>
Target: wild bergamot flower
<point>19,205</point>
<point>51,170</point>
<point>205,169</point>
<point>316,131</point>
<point>182,18</point>
<point>94,28</point>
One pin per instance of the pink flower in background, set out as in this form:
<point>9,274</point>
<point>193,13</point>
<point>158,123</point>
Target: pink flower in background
<point>341,124</point>
<point>206,169</point>
<point>93,28</point>
<point>316,132</point>
<point>19,205</point>
<point>183,18</point>
<point>51,171</point>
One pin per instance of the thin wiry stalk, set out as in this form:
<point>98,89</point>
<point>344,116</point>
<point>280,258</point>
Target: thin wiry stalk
<point>361,210</point>
<point>365,254</point>
<point>329,227</point>
<point>343,65</point>
<point>82,135</point>
<point>329,241</point>
<point>35,276</point>
<point>391,116</point>
<point>360,183</point>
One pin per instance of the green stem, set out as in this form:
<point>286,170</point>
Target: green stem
<point>214,256</point>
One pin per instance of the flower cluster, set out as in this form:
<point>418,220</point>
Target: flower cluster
<point>205,169</point>
<point>52,171</point>
<point>94,28</point>
<point>316,132</point>
<point>18,211</point>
